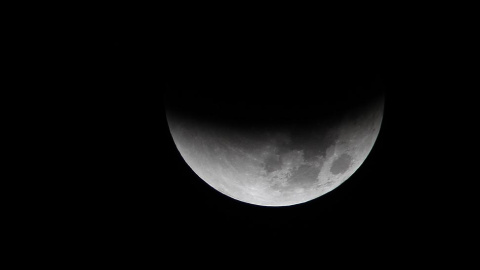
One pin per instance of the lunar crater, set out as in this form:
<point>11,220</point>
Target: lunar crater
<point>341,164</point>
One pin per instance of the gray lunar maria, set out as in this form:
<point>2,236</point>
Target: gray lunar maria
<point>278,167</point>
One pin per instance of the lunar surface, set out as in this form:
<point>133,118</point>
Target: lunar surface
<point>278,167</point>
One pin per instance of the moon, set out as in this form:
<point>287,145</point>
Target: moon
<point>280,166</point>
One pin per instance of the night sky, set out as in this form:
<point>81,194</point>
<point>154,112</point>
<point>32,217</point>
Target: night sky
<point>258,79</point>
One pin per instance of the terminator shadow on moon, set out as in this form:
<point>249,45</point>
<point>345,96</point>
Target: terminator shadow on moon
<point>278,167</point>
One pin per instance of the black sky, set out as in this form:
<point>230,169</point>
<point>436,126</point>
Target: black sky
<point>220,71</point>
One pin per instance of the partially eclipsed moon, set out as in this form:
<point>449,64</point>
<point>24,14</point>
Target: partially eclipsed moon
<point>278,167</point>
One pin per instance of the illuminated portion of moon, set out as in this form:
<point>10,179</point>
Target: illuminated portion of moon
<point>278,167</point>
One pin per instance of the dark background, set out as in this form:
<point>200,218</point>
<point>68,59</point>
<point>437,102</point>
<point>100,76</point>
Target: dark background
<point>146,194</point>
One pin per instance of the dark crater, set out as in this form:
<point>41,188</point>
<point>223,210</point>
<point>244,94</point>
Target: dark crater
<point>304,176</point>
<point>314,141</point>
<point>273,163</point>
<point>341,164</point>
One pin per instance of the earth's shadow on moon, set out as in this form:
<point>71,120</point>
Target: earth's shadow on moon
<point>305,108</point>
